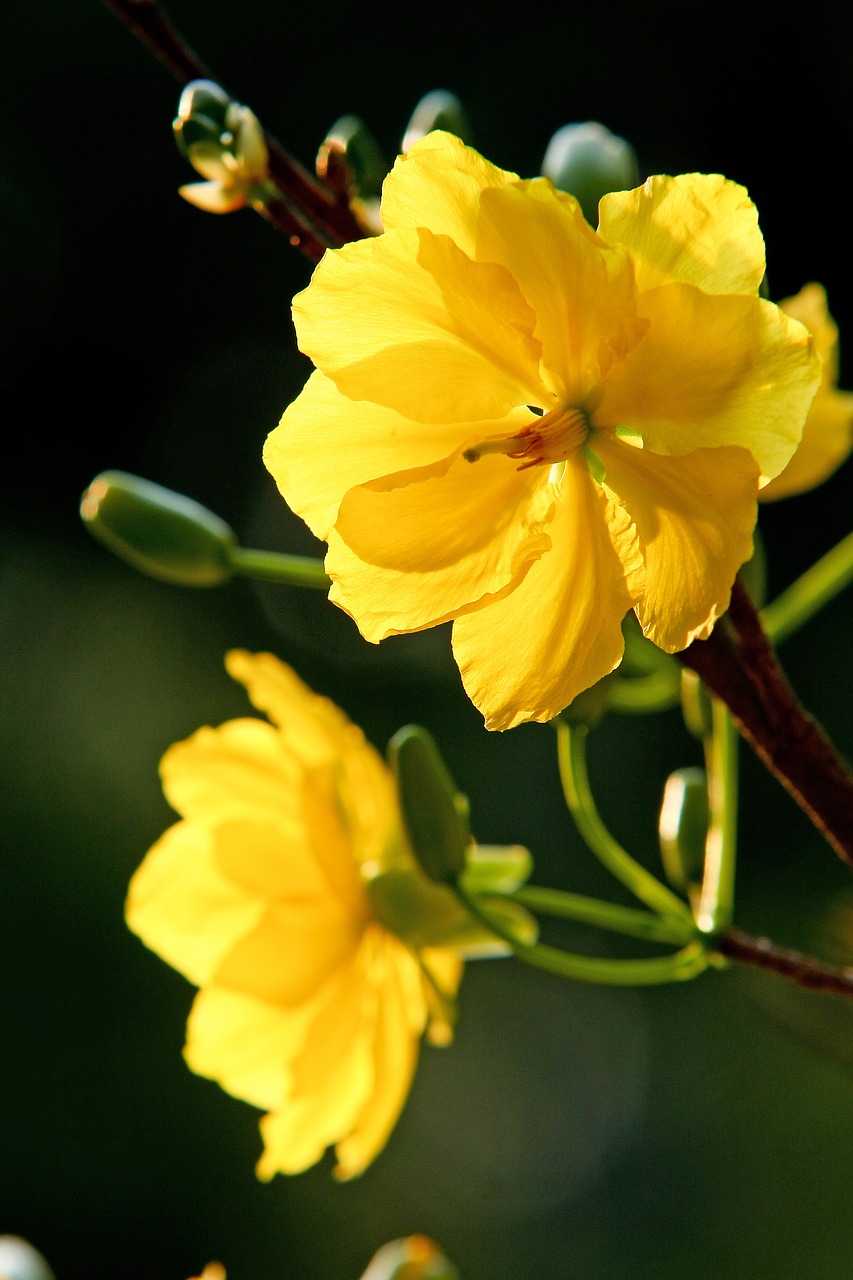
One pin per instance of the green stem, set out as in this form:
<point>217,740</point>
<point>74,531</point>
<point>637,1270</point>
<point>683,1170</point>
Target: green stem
<point>603,915</point>
<point>276,566</point>
<point>815,588</point>
<point>687,963</point>
<point>716,898</point>
<point>571,755</point>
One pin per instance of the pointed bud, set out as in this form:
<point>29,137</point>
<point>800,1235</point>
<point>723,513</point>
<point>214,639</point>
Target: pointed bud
<point>350,152</point>
<point>413,1258</point>
<point>435,814</point>
<point>588,161</point>
<point>683,826</point>
<point>159,532</point>
<point>439,109</point>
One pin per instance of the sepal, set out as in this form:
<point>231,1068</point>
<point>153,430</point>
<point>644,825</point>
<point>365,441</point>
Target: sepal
<point>435,813</point>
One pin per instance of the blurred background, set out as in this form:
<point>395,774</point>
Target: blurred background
<point>572,1132</point>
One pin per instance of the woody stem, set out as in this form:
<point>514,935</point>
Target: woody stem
<point>804,970</point>
<point>737,663</point>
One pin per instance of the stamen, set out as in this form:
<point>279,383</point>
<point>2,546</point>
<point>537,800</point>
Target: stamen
<point>548,439</point>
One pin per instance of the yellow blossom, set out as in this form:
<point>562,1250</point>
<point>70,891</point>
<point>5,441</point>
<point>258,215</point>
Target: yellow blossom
<point>309,1006</point>
<point>530,427</point>
<point>828,433</point>
<point>213,1271</point>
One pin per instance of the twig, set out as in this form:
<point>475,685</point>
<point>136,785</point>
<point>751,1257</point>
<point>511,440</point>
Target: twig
<point>739,665</point>
<point>318,217</point>
<point>793,965</point>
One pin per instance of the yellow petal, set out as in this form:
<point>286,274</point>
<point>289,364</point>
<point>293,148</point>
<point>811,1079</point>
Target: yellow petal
<point>327,444</point>
<point>182,905</point>
<point>438,184</point>
<point>331,1075</point>
<point>395,1057</point>
<point>826,443</point>
<point>714,371</point>
<point>245,1045</point>
<point>243,769</point>
<point>408,321</point>
<point>828,433</point>
<point>413,550</point>
<point>694,516</point>
<point>696,228</point>
<point>213,197</point>
<point>311,726</point>
<point>291,952</point>
<point>809,306</point>
<point>525,656</point>
<point>581,290</point>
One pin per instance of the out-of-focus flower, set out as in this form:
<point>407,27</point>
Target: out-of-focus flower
<point>213,1271</point>
<point>530,427</point>
<point>235,163</point>
<point>410,1258</point>
<point>310,1006</point>
<point>828,433</point>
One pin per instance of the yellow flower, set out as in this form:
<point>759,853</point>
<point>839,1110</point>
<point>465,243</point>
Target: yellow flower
<point>530,427</point>
<point>309,1007</point>
<point>213,1271</point>
<point>828,433</point>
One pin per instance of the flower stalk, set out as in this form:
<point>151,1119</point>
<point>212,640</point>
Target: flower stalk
<point>571,755</point>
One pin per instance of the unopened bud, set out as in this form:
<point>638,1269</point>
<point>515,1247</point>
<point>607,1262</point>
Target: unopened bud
<point>159,532</point>
<point>683,826</point>
<point>435,814</point>
<point>438,109</point>
<point>349,153</point>
<point>588,161</point>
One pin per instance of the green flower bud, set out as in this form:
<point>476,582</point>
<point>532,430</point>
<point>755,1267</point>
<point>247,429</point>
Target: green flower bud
<point>412,1258</point>
<point>439,109</point>
<point>683,826</point>
<point>435,814</point>
<point>20,1261</point>
<point>161,533</point>
<point>350,142</point>
<point>588,161</point>
<point>202,111</point>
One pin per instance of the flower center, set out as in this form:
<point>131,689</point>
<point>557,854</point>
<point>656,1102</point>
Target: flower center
<point>545,441</point>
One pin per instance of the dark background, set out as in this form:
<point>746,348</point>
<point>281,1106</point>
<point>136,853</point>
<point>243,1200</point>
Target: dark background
<point>572,1132</point>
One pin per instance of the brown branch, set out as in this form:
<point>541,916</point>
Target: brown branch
<point>738,664</point>
<point>318,218</point>
<point>804,970</point>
